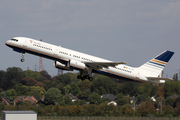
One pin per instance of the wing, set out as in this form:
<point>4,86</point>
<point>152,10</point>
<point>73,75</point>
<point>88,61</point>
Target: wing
<point>100,65</point>
<point>158,78</point>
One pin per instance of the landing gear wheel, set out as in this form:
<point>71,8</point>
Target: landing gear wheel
<point>90,78</point>
<point>22,60</point>
<point>82,78</point>
<point>79,77</point>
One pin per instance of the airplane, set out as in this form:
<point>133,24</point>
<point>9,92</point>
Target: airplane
<point>70,60</point>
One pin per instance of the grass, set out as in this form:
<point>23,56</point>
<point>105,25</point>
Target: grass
<point>104,118</point>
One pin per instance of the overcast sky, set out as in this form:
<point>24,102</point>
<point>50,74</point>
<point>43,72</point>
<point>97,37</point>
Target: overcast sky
<point>133,31</point>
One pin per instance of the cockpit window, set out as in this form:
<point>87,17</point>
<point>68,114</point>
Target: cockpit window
<point>15,40</point>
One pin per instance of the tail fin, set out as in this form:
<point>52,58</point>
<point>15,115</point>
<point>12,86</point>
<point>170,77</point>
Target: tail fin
<point>154,67</point>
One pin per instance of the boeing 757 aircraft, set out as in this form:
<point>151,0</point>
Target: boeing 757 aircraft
<point>70,60</point>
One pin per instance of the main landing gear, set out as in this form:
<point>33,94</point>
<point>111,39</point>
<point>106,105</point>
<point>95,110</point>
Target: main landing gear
<point>85,74</point>
<point>22,60</point>
<point>85,77</point>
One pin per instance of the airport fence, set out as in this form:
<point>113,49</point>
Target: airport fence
<point>104,118</point>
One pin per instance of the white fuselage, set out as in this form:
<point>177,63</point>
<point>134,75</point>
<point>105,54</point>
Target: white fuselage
<point>63,55</point>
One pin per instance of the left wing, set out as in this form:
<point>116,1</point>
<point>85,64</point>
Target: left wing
<point>100,65</point>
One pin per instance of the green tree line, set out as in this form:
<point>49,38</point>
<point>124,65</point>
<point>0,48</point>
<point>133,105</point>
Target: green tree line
<point>16,82</point>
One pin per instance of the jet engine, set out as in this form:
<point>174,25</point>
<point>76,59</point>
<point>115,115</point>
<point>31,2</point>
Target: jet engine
<point>62,66</point>
<point>77,65</point>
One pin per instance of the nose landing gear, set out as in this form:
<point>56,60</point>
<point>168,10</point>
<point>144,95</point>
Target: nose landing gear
<point>22,60</point>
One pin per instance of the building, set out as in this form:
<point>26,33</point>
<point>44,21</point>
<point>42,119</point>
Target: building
<point>32,99</point>
<point>6,100</point>
<point>111,97</point>
<point>18,115</point>
<point>72,97</point>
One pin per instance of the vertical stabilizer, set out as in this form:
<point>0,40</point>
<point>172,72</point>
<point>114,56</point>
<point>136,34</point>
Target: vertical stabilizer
<point>154,67</point>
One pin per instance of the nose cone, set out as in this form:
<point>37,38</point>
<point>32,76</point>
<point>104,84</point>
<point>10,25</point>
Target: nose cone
<point>7,43</point>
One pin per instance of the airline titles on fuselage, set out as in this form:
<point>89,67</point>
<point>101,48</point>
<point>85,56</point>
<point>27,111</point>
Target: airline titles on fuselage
<point>41,46</point>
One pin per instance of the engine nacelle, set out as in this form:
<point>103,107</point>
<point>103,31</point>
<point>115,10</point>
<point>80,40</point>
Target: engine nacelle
<point>77,65</point>
<point>62,66</point>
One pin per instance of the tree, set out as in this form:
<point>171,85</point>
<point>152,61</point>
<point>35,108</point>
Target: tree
<point>169,101</point>
<point>82,94</point>
<point>177,101</point>
<point>168,110</point>
<point>40,84</point>
<point>177,87</point>
<point>172,87</point>
<point>67,100</point>
<point>127,110</point>
<point>85,84</point>
<point>140,98</point>
<point>95,98</point>
<point>21,89</point>
<point>15,74</point>
<point>104,85</point>
<point>130,88</point>
<point>144,89</point>
<point>67,89</point>
<point>11,94</point>
<point>3,80</point>
<point>45,74</point>
<point>56,84</point>
<point>121,100</point>
<point>160,92</point>
<point>67,78</point>
<point>36,91</point>
<point>2,106</point>
<point>13,77</point>
<point>175,77</point>
<point>177,109</point>
<point>146,108</point>
<point>28,81</point>
<point>35,75</point>
<point>52,96</point>
<point>169,88</point>
<point>154,90</point>
<point>80,102</point>
<point>74,88</point>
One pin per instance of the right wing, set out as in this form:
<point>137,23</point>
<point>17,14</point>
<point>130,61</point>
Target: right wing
<point>100,65</point>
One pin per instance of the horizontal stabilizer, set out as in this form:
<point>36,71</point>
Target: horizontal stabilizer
<point>158,78</point>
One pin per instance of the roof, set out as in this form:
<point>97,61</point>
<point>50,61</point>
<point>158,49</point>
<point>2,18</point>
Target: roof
<point>7,99</point>
<point>20,98</point>
<point>32,99</point>
<point>19,112</point>
<point>36,98</point>
<point>71,96</point>
<point>109,96</point>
